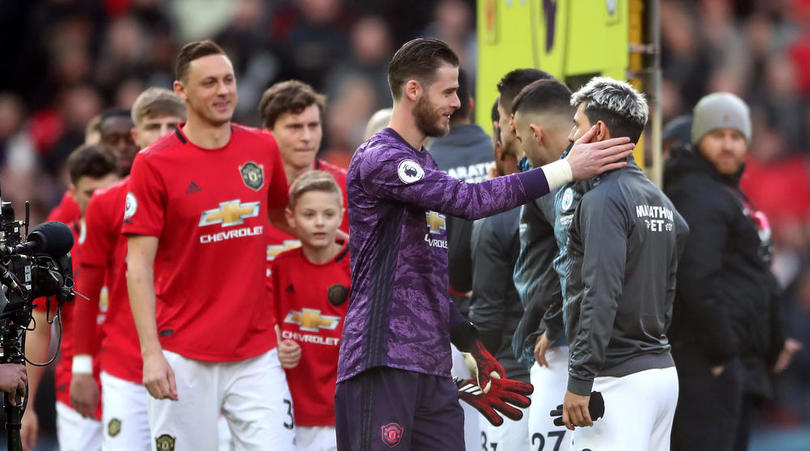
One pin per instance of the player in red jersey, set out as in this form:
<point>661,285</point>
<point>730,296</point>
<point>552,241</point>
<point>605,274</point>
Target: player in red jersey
<point>196,212</point>
<point>91,168</point>
<point>311,289</point>
<point>292,111</point>
<point>155,113</point>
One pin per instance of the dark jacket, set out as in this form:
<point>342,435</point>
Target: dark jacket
<point>466,154</point>
<point>536,280</point>
<point>624,244</point>
<point>727,299</point>
<point>495,307</point>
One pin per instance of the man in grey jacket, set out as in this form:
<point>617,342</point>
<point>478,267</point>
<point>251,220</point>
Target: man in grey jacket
<point>624,243</point>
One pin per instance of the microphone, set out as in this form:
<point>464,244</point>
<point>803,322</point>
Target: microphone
<point>52,238</point>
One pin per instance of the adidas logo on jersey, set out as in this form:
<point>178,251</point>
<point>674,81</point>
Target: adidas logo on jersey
<point>193,188</point>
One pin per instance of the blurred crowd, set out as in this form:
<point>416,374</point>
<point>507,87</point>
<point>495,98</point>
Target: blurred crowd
<point>761,52</point>
<point>68,60</point>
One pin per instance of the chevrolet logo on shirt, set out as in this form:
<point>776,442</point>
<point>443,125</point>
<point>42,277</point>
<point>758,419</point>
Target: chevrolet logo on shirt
<point>274,249</point>
<point>435,221</point>
<point>311,320</point>
<point>232,212</point>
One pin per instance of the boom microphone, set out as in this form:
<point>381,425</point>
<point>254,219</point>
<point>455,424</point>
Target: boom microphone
<point>52,238</point>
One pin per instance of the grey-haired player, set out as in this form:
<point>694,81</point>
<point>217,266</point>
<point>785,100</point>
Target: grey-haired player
<point>624,243</point>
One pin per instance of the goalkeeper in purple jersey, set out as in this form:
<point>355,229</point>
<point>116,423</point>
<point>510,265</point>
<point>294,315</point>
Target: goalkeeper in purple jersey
<point>394,387</point>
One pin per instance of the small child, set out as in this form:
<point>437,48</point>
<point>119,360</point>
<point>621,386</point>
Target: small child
<point>311,288</point>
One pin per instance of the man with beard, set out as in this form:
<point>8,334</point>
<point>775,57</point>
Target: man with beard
<point>196,212</point>
<point>394,383</point>
<point>726,327</point>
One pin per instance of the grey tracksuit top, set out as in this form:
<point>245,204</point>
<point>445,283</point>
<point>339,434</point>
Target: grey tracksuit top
<point>624,243</point>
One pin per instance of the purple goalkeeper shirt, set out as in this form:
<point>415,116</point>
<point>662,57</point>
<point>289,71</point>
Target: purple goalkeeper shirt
<point>400,312</point>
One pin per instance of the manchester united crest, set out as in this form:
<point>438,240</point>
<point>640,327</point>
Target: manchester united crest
<point>252,175</point>
<point>114,427</point>
<point>392,434</point>
<point>165,443</point>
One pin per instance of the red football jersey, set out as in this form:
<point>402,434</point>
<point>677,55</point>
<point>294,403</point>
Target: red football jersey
<point>311,302</point>
<point>209,208</point>
<point>63,372</point>
<point>67,211</point>
<point>105,247</point>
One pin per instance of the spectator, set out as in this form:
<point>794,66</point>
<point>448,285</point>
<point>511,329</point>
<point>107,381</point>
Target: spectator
<point>725,332</point>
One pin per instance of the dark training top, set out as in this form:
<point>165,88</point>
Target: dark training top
<point>624,243</point>
<point>400,313</point>
<point>495,307</point>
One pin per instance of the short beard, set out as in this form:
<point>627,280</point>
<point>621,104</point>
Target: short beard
<point>427,119</point>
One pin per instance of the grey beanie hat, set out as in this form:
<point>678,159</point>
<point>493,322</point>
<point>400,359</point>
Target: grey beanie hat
<point>720,110</point>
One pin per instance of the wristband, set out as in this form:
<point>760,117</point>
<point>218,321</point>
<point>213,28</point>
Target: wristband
<point>557,174</point>
<point>83,364</point>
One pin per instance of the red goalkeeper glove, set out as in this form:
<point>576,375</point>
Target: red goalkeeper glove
<point>503,396</point>
<point>483,367</point>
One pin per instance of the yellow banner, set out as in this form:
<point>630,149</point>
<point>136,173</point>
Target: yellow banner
<point>570,39</point>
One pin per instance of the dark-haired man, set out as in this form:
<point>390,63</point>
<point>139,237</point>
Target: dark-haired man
<point>196,212</point>
<point>91,168</point>
<point>509,86</point>
<point>495,306</point>
<point>393,374</point>
<point>542,120</point>
<point>115,127</point>
<point>624,242</point>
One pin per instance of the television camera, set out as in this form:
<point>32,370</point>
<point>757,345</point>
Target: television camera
<point>36,268</point>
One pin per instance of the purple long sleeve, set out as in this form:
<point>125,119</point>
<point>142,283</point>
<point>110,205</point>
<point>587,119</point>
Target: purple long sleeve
<point>400,309</point>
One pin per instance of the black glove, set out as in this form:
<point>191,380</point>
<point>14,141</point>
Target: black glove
<point>596,408</point>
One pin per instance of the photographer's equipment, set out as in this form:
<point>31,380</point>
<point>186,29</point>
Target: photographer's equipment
<point>38,267</point>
